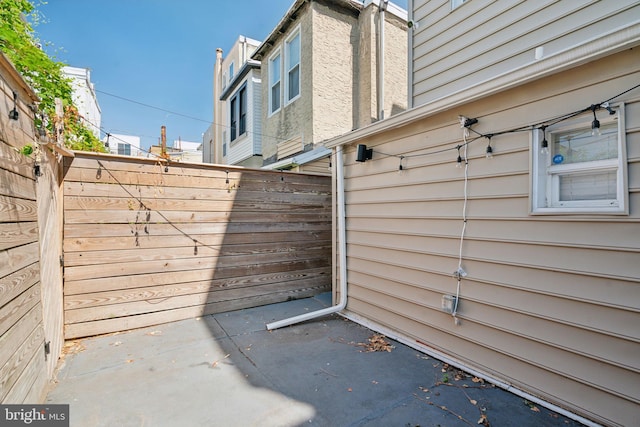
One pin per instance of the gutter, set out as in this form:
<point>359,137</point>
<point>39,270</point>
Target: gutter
<point>300,159</point>
<point>342,249</point>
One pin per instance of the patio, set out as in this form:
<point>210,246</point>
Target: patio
<point>227,370</point>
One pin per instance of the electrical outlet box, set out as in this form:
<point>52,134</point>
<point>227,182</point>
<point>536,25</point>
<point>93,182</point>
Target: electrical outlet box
<point>448,303</point>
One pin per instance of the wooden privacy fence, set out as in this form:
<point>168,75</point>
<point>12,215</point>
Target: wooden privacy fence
<point>146,244</point>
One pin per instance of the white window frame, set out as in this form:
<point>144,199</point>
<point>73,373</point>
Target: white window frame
<point>289,68</point>
<point>277,53</point>
<point>545,176</point>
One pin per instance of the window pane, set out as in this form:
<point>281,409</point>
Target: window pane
<point>293,53</point>
<point>275,97</point>
<point>577,146</point>
<point>595,186</point>
<point>294,83</point>
<point>274,70</point>
<point>243,111</point>
<point>233,118</point>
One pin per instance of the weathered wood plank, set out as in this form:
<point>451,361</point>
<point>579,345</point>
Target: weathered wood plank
<point>17,234</point>
<point>101,298</point>
<point>143,166</point>
<point>149,216</point>
<point>164,205</point>
<point>13,161</point>
<point>12,339</point>
<point>112,243</point>
<point>220,277</point>
<point>10,313</point>
<point>14,185</point>
<point>142,192</point>
<point>75,259</point>
<point>185,264</point>
<point>150,305</point>
<point>17,282</point>
<point>14,259</point>
<point>13,368</point>
<point>17,210</point>
<point>269,225</point>
<point>30,383</point>
<point>78,330</point>
<point>219,181</point>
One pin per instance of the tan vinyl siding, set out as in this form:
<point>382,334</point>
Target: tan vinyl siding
<point>551,303</point>
<point>483,39</point>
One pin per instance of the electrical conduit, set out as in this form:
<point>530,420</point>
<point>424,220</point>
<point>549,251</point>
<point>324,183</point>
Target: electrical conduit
<point>342,249</point>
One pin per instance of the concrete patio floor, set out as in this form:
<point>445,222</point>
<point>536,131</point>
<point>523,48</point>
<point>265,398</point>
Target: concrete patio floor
<point>227,370</point>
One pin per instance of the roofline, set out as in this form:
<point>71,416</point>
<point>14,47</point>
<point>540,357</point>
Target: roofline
<point>251,64</point>
<point>289,17</point>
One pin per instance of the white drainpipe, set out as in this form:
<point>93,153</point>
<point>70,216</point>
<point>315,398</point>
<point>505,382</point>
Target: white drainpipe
<point>342,242</point>
<point>380,58</point>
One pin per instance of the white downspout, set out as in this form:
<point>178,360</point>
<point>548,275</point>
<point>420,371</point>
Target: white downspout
<point>342,248</point>
<point>380,58</point>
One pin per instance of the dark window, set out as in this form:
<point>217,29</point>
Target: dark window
<point>238,113</point>
<point>234,106</point>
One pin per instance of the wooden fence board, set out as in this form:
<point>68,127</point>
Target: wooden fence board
<point>145,246</point>
<point>112,243</point>
<point>23,374</point>
<point>218,276</point>
<point>14,210</point>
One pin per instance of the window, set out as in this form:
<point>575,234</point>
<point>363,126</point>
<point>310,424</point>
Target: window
<point>224,149</point>
<point>581,172</point>
<point>124,149</point>
<point>242,111</point>
<point>292,59</point>
<point>231,71</point>
<point>233,115</point>
<point>274,83</point>
<point>238,113</point>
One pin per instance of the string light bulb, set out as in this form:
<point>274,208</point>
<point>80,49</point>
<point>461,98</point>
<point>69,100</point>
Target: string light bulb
<point>459,160</point>
<point>401,167</point>
<point>544,147</point>
<point>595,124</point>
<point>489,148</point>
<point>14,115</point>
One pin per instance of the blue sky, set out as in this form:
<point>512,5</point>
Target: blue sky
<point>156,52</point>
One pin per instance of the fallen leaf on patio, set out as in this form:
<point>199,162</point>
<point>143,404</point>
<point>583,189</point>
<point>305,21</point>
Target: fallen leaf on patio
<point>115,344</point>
<point>128,361</point>
<point>214,364</point>
<point>374,382</point>
<point>477,380</point>
<point>483,420</point>
<point>155,333</point>
<point>473,402</point>
<point>535,409</point>
<point>377,343</point>
<point>349,389</point>
<point>426,390</point>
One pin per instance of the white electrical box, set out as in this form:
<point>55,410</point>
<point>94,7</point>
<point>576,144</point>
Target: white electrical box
<point>448,303</point>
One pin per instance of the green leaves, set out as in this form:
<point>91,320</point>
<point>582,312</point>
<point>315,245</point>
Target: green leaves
<point>44,75</point>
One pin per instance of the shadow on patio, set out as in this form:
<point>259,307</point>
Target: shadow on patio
<point>227,370</point>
